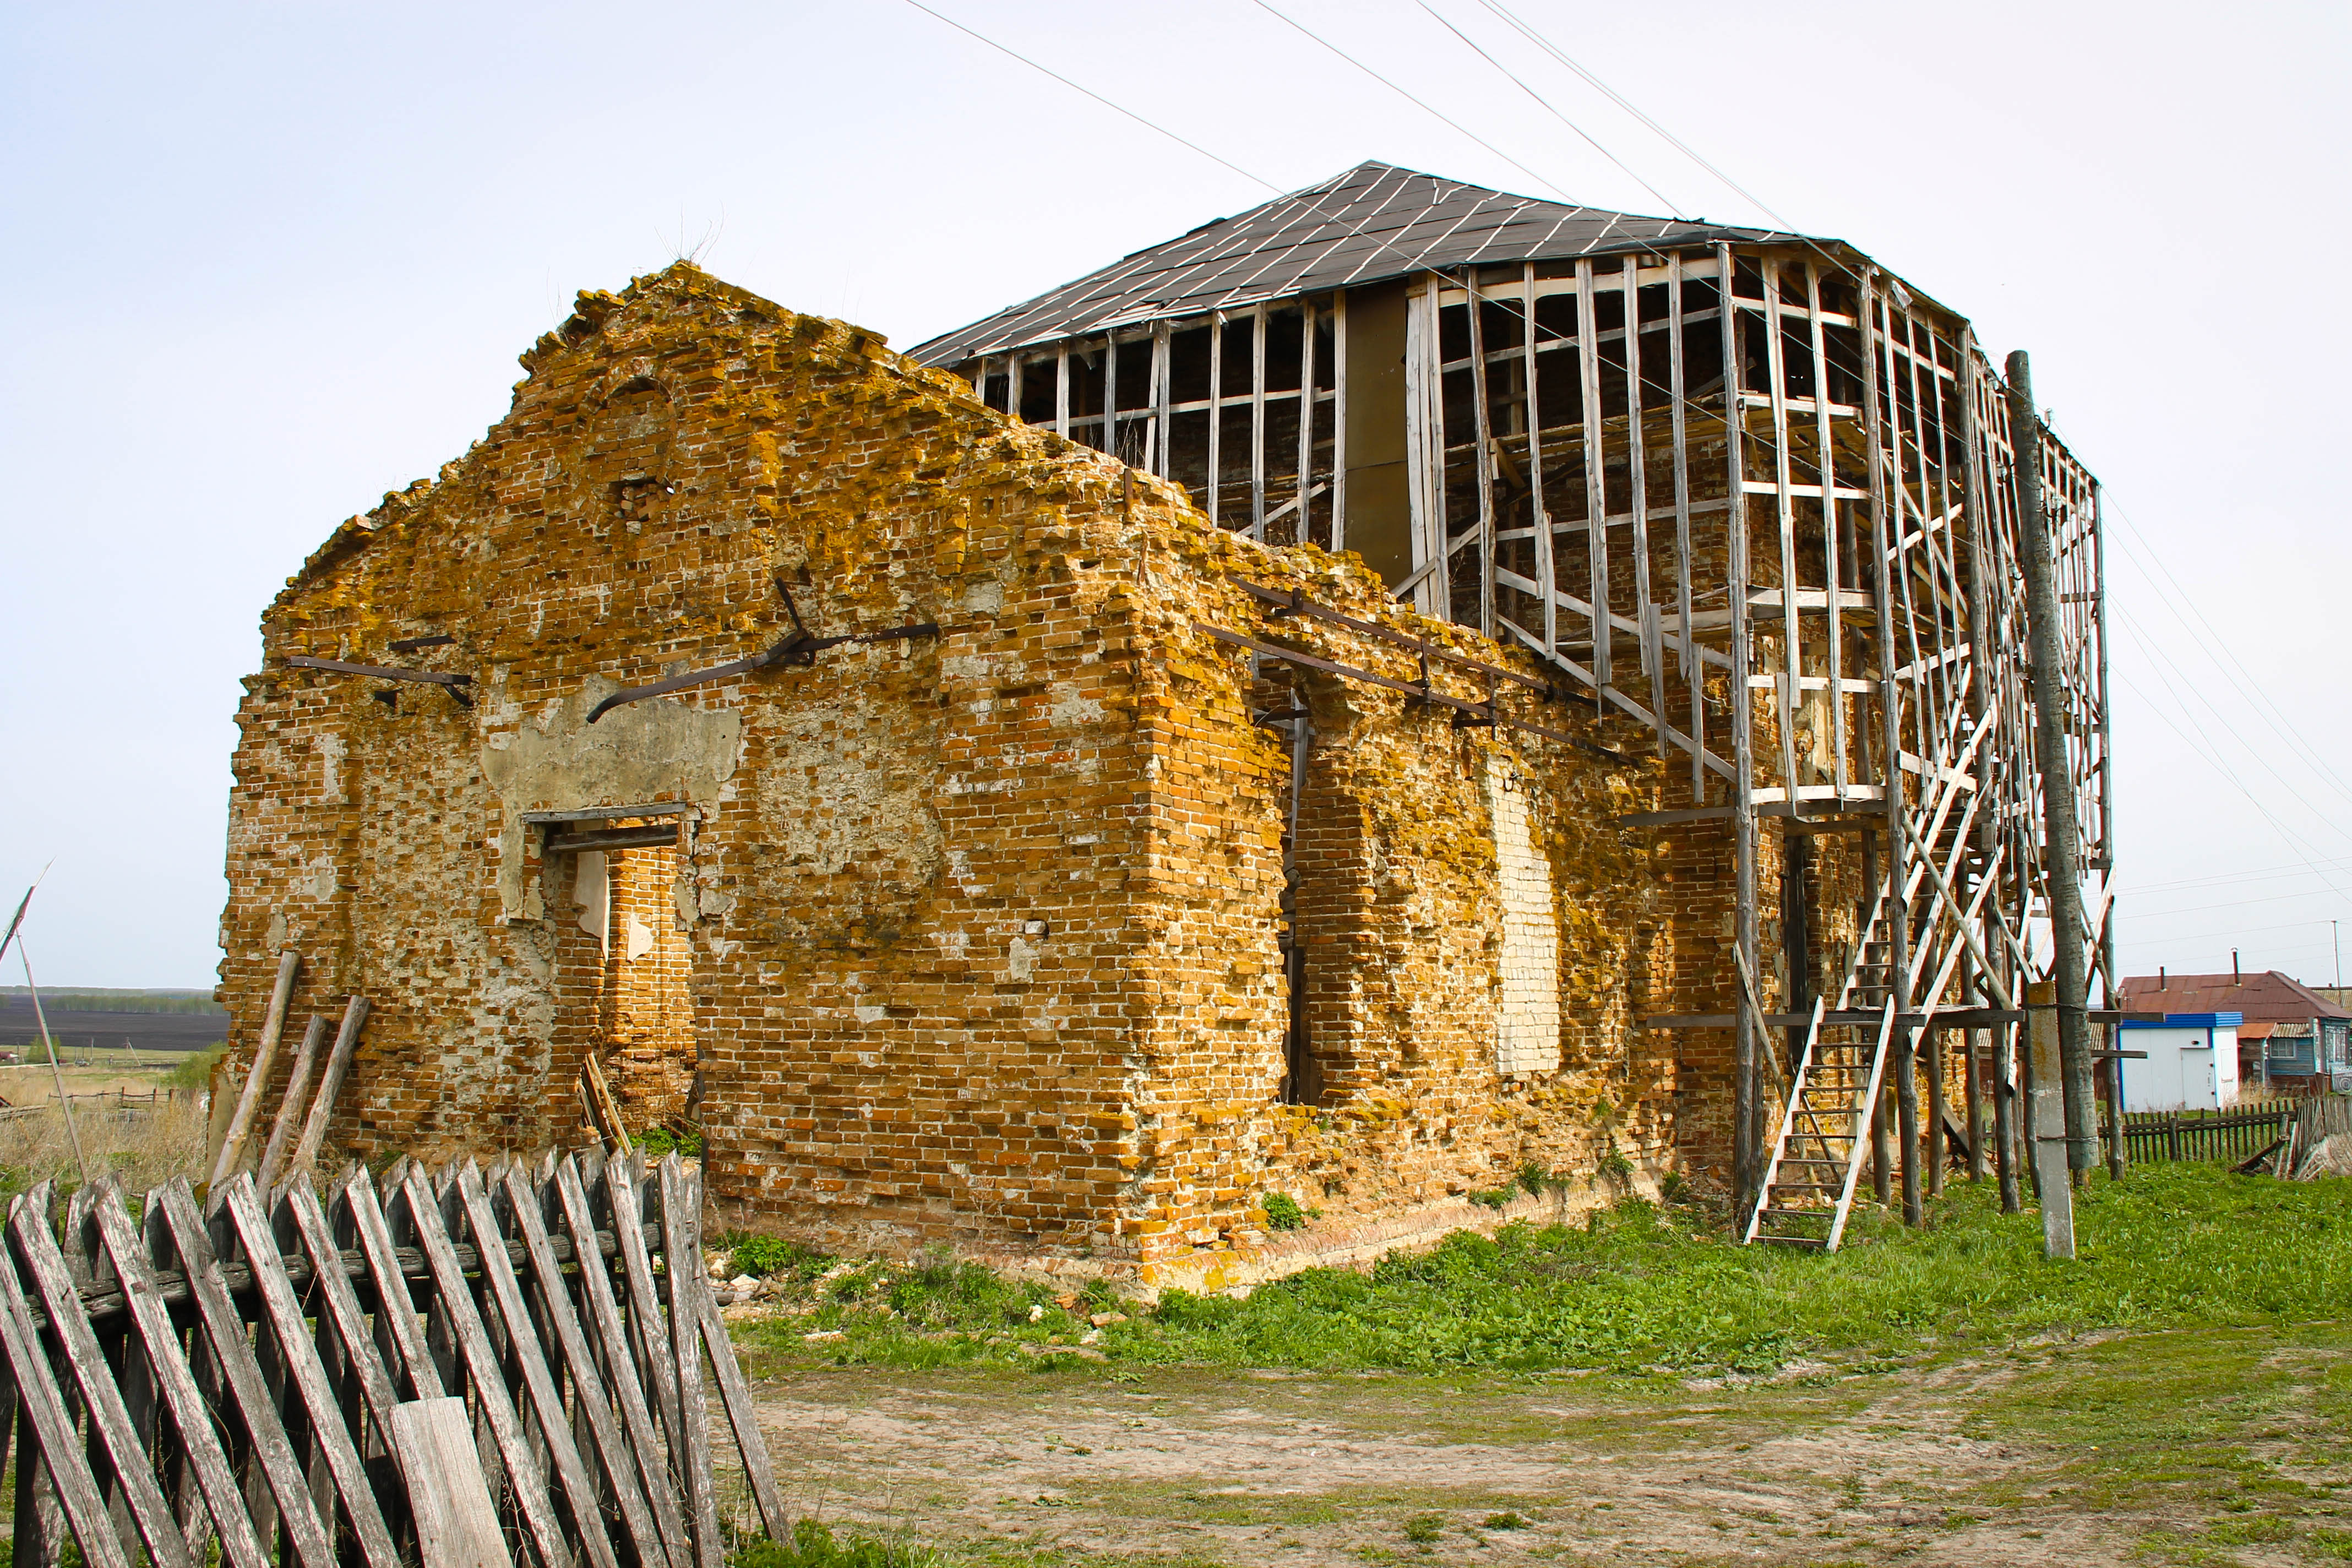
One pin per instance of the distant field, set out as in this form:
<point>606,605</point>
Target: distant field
<point>79,1029</point>
<point>100,999</point>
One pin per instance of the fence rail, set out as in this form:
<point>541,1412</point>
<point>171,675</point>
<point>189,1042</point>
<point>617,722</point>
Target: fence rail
<point>465,1370</point>
<point>2226,1136</point>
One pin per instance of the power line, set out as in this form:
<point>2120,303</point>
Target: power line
<point>1418,103</point>
<point>2132,623</point>
<point>2212,760</point>
<point>2215,647</point>
<point>1098,98</point>
<point>1552,110</point>
<point>1622,101</point>
<point>2263,874</point>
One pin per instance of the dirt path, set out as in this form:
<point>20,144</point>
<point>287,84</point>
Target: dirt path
<point>1949,1466</point>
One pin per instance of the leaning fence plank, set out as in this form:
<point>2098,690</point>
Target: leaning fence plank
<point>110,1420</point>
<point>289,1109</point>
<point>741,1415</point>
<point>621,1364</point>
<point>395,1306</point>
<point>342,1308</point>
<point>547,1400</point>
<point>456,1524</point>
<point>308,1374</point>
<point>256,1078</point>
<point>223,1332</point>
<point>626,1202</point>
<point>42,1403</point>
<point>331,1084</point>
<point>620,1468</point>
<point>682,1247</point>
<point>473,1342</point>
<point>185,1402</point>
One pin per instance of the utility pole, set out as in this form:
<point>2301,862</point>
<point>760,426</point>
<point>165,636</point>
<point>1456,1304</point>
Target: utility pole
<point>2061,828</point>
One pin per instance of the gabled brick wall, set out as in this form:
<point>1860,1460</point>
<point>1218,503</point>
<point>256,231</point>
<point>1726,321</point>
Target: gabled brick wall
<point>979,932</point>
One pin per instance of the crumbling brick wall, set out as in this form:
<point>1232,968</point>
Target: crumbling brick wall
<point>970,937</point>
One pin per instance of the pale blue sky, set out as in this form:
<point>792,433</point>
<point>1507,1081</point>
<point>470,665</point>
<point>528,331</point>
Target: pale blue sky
<point>264,263</point>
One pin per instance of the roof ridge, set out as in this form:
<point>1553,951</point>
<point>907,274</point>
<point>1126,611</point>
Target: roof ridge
<point>1346,229</point>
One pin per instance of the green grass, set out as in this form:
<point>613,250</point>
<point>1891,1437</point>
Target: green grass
<point>1649,1288</point>
<point>815,1546</point>
<point>195,1069</point>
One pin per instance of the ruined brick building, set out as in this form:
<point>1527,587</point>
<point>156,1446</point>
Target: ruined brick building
<point>999,797</point>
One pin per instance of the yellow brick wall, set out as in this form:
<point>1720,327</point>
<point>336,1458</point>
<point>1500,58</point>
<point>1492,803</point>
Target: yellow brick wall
<point>972,938</point>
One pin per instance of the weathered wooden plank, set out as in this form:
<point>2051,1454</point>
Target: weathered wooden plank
<point>621,1372</point>
<point>41,1403</point>
<point>223,1332</point>
<point>456,1523</point>
<point>343,1304</point>
<point>191,1417</point>
<point>473,1346</point>
<point>611,1451</point>
<point>331,1084</point>
<point>265,1056</point>
<point>742,1416</point>
<point>289,1109</point>
<point>396,1312</point>
<point>682,1245</point>
<point>37,1534</point>
<point>111,1429</point>
<point>626,1205</point>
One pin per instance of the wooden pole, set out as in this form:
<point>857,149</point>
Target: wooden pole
<point>1938,1152</point>
<point>265,1056</point>
<point>1976,1045</point>
<point>331,1083</point>
<point>2004,1117</point>
<point>2047,1124</point>
<point>1747,1161</point>
<point>289,1109</point>
<point>2061,869</point>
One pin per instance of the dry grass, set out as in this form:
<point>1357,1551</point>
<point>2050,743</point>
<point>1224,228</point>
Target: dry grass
<point>143,1148</point>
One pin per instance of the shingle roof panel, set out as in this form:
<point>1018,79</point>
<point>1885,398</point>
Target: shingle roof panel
<point>1374,222</point>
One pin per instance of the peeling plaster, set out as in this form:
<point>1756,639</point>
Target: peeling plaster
<point>647,750</point>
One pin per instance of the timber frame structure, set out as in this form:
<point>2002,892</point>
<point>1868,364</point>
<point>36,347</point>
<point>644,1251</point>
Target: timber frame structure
<point>1744,488</point>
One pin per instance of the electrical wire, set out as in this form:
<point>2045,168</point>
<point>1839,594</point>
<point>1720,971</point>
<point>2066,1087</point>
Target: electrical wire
<point>2208,639</point>
<point>1622,101</point>
<point>1551,109</point>
<point>2131,622</point>
<point>1098,98</point>
<point>1418,103</point>
<point>2293,841</point>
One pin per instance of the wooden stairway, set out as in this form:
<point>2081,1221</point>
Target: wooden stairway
<point>1807,1192</point>
<point>1824,1134</point>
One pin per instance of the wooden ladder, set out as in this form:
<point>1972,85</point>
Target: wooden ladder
<point>1809,1182</point>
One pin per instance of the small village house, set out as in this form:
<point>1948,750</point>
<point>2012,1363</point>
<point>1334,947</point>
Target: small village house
<point>2291,1038</point>
<point>2189,1062</point>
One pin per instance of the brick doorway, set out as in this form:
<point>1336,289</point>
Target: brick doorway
<point>622,962</point>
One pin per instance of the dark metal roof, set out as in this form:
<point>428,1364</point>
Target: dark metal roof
<point>2264,996</point>
<point>1374,222</point>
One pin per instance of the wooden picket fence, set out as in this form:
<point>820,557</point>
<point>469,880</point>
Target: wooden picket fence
<point>2224,1136</point>
<point>468,1369</point>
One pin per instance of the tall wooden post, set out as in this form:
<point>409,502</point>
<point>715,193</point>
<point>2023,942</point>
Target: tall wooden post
<point>2062,868</point>
<point>2047,1124</point>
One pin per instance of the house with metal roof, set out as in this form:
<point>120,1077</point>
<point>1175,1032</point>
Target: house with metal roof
<point>2292,1040</point>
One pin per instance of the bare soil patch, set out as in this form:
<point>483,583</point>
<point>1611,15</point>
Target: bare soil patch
<point>2193,1446</point>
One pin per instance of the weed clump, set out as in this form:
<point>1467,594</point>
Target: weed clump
<point>1424,1528</point>
<point>815,1546</point>
<point>1282,1211</point>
